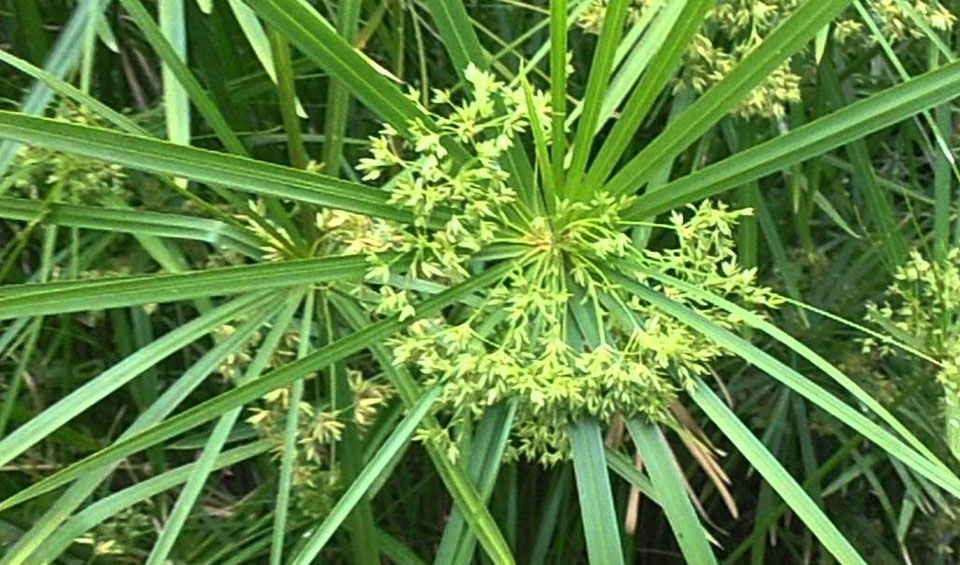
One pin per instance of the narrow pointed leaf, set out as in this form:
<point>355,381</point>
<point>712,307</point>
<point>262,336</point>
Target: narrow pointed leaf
<point>400,436</point>
<point>284,376</point>
<point>788,38</point>
<point>52,298</point>
<point>668,480</point>
<point>852,122</point>
<point>775,475</point>
<point>231,171</point>
<point>600,525</point>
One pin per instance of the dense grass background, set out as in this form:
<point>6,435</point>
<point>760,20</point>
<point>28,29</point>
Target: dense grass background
<point>850,461</point>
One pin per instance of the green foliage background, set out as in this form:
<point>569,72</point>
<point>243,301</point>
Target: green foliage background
<point>492,281</point>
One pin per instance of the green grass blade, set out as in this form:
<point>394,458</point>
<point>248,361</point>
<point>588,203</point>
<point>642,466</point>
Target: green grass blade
<point>600,69</point>
<point>286,91</point>
<point>852,122</point>
<point>289,455</point>
<point>776,476</point>
<point>173,27</point>
<point>110,506</point>
<point>596,498</point>
<point>558,88</point>
<point>317,39</point>
<point>284,376</point>
<point>633,55</point>
<point>400,436</point>
<point>67,90</point>
<point>763,523</point>
<point>453,24</point>
<point>338,98</point>
<point>803,351</point>
<point>882,216</point>
<point>541,149</point>
<point>788,38</point>
<point>84,397</point>
<point>485,458</point>
<point>157,224</point>
<point>259,42</point>
<point>461,488</point>
<point>217,439</point>
<point>666,475</point>
<point>672,31</point>
<point>59,62</point>
<point>623,466</point>
<point>179,71</point>
<point>81,490</point>
<point>212,167</point>
<point>51,298</point>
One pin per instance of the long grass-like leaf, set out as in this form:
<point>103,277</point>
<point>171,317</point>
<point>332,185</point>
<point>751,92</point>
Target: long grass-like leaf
<point>80,491</point>
<point>259,42</point>
<point>776,476</point>
<point>558,88</point>
<point>840,127</point>
<point>305,28</point>
<point>290,432</point>
<point>596,499</point>
<point>217,439</point>
<point>141,222</point>
<point>465,495</point>
<point>486,456</point>
<point>87,395</point>
<point>284,376</point>
<point>338,514</point>
<point>178,70</point>
<point>667,478</point>
<point>789,37</point>
<point>51,298</point>
<point>200,165</point>
<point>173,26</point>
<point>675,27</point>
<point>102,510</point>
<point>931,469</point>
<point>600,68</point>
<point>802,350</point>
<point>59,62</point>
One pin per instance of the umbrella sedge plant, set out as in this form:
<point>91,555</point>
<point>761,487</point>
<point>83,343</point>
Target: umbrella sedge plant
<point>531,262</point>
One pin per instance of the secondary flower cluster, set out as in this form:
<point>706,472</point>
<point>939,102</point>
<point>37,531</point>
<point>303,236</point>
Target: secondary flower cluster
<point>554,335</point>
<point>923,306</point>
<point>733,28</point>
<point>44,174</point>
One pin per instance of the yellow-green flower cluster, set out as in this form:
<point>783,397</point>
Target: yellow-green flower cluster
<point>67,177</point>
<point>472,192</point>
<point>516,344</point>
<point>923,305</point>
<point>316,473</point>
<point>899,25</point>
<point>733,28</point>
<point>555,335</point>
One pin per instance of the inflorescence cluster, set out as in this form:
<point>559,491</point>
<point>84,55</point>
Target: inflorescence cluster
<point>733,28</point>
<point>555,335</point>
<point>923,306</point>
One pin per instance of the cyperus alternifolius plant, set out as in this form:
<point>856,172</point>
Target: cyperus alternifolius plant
<point>561,256</point>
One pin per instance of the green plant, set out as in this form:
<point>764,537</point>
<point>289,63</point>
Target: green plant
<point>507,293</point>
